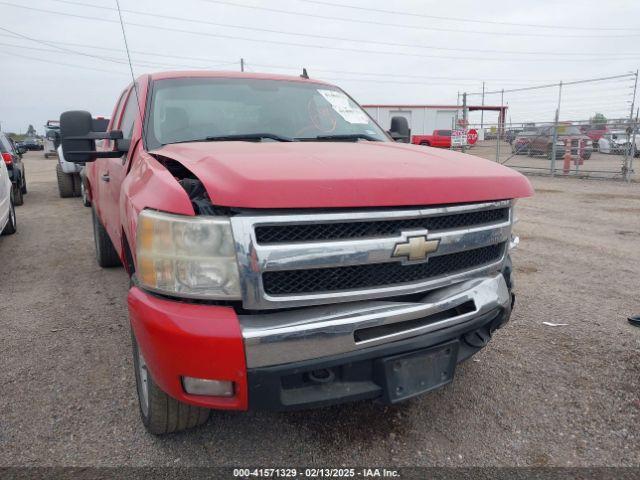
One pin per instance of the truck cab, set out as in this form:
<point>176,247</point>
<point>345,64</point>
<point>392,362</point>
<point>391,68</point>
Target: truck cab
<point>283,251</point>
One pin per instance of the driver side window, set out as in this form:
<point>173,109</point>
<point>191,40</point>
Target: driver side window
<point>129,115</point>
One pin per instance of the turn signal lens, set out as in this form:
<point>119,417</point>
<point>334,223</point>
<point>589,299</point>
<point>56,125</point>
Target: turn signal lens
<point>187,256</point>
<point>202,386</point>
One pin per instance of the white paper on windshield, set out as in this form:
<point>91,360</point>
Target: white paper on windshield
<point>340,103</point>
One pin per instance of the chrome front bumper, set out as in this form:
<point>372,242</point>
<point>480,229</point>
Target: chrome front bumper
<point>315,332</point>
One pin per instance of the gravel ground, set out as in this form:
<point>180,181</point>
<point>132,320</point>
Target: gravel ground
<point>536,396</point>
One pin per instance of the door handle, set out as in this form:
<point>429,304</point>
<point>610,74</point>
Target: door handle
<point>105,177</point>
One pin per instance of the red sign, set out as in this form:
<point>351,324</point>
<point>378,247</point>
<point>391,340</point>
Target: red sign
<point>472,136</point>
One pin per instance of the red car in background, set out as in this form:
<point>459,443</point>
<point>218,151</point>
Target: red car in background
<point>440,138</point>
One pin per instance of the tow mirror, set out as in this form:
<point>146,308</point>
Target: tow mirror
<point>399,130</point>
<point>78,138</point>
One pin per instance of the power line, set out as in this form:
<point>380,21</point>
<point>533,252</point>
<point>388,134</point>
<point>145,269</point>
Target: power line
<point>152,54</point>
<point>306,45</point>
<point>141,63</point>
<point>347,39</point>
<point>551,85</point>
<point>406,26</point>
<point>62,49</point>
<point>359,50</point>
<point>83,67</point>
<point>279,67</point>
<point>466,20</point>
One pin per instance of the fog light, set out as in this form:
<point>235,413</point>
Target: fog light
<point>202,386</point>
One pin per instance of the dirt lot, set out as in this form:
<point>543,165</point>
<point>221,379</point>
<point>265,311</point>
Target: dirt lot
<point>538,395</point>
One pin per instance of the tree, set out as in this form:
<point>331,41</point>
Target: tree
<point>598,119</point>
<point>31,132</point>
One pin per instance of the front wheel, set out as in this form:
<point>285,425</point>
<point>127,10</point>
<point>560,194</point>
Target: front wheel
<point>161,413</point>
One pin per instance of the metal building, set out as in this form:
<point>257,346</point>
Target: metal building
<point>424,119</point>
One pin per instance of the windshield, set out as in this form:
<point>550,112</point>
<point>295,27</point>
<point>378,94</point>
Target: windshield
<point>197,109</point>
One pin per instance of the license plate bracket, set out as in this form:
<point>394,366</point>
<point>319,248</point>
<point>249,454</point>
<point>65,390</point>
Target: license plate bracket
<point>409,374</point>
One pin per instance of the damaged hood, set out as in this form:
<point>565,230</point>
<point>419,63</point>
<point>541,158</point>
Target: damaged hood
<point>342,174</point>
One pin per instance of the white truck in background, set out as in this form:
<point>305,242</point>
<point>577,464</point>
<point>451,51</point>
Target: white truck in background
<point>69,174</point>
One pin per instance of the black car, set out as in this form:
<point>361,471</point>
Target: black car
<point>32,144</point>
<point>12,157</point>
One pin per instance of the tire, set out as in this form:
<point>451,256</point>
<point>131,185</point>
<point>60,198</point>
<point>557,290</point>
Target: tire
<point>425,144</point>
<point>11,226</point>
<point>77,181</point>
<point>161,413</point>
<point>65,183</point>
<point>24,183</point>
<point>83,193</point>
<point>106,255</point>
<point>529,152</point>
<point>46,155</point>
<point>17,195</point>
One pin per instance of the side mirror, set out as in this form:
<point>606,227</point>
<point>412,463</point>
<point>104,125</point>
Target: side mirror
<point>79,140</point>
<point>399,130</point>
<point>21,150</point>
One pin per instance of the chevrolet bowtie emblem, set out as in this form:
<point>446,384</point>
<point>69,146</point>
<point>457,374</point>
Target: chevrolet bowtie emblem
<point>415,248</point>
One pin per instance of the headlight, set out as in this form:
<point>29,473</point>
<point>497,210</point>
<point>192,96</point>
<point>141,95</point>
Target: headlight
<point>187,256</point>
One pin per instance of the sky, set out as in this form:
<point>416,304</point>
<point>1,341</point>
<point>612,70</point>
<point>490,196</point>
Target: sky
<point>62,55</point>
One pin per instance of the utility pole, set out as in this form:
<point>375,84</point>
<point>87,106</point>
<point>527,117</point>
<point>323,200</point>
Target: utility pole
<point>631,136</point>
<point>242,64</point>
<point>555,131</point>
<point>464,120</point>
<point>500,126</point>
<point>482,111</point>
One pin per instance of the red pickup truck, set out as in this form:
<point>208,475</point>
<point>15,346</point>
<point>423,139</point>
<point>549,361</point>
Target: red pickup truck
<point>283,251</point>
<point>440,138</point>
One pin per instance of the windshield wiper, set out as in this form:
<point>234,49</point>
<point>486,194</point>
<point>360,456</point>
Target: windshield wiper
<point>343,137</point>
<point>248,136</point>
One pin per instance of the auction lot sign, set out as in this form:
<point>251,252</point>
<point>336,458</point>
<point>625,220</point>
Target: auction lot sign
<point>462,137</point>
<point>458,138</point>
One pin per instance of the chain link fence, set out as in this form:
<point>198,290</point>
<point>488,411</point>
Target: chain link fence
<point>586,128</point>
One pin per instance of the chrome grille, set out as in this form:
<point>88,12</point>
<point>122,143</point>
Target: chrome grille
<point>375,275</point>
<point>363,229</point>
<point>298,259</point>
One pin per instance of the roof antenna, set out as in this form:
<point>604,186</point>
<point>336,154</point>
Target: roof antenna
<point>126,46</point>
<point>304,74</point>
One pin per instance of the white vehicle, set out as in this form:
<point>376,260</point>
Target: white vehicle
<point>69,174</point>
<point>617,142</point>
<point>7,211</point>
<point>52,130</point>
